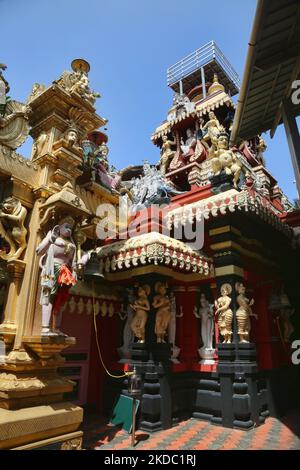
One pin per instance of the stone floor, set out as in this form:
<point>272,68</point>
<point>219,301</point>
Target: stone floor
<point>275,434</point>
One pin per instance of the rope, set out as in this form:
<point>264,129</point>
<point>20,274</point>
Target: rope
<point>98,345</point>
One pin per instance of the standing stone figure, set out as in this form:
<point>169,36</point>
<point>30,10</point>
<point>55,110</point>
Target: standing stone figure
<point>141,307</point>
<point>206,315</point>
<point>224,313</point>
<point>162,302</point>
<point>58,262</point>
<point>243,313</point>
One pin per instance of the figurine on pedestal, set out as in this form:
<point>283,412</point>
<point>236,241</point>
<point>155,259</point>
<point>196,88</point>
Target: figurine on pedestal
<point>140,306</point>
<point>162,302</point>
<point>58,263</point>
<point>206,315</point>
<point>224,313</point>
<point>243,313</point>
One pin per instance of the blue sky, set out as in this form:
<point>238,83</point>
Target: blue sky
<point>129,45</point>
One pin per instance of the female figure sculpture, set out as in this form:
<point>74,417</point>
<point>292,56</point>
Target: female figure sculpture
<point>166,153</point>
<point>224,313</point>
<point>58,252</point>
<point>212,128</point>
<point>162,302</point>
<point>243,313</point>
<point>141,306</point>
<point>207,329</point>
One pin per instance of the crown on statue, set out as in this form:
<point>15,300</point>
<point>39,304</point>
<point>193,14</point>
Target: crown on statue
<point>67,220</point>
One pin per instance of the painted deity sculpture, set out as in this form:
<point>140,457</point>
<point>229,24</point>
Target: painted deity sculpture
<point>224,313</point>
<point>12,229</point>
<point>58,262</point>
<point>188,147</point>
<point>166,154</point>
<point>206,316</point>
<point>212,129</point>
<point>243,313</point>
<point>141,307</point>
<point>162,302</point>
<point>225,159</point>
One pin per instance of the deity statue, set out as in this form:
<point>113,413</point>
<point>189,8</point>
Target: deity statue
<point>78,81</point>
<point>12,229</point>
<point>151,188</point>
<point>140,307</point>
<point>181,104</point>
<point>166,154</point>
<point>212,129</point>
<point>172,328</point>
<point>261,148</point>
<point>243,313</point>
<point>206,316</point>
<point>37,89</point>
<point>102,168</point>
<point>225,159</point>
<point>127,314</point>
<point>162,302</point>
<point>39,144</point>
<point>224,313</point>
<point>71,136</point>
<point>188,147</point>
<point>58,262</point>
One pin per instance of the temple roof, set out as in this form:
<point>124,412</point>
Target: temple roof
<point>226,202</point>
<point>153,252</point>
<point>210,103</point>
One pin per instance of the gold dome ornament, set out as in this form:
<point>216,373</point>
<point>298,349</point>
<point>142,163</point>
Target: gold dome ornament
<point>215,86</point>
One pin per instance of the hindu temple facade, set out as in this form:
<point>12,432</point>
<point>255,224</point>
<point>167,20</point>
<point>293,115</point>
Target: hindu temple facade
<point>186,269</point>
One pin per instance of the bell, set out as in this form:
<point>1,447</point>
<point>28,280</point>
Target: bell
<point>92,269</point>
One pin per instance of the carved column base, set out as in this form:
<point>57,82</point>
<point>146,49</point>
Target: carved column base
<point>46,347</point>
<point>26,380</point>
<point>32,383</point>
<point>42,427</point>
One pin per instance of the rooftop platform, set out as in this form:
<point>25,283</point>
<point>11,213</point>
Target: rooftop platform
<point>203,62</point>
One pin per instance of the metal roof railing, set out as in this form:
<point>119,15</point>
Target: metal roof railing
<point>206,54</point>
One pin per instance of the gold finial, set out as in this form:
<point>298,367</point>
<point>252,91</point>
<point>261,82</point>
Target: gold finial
<point>80,65</point>
<point>215,86</point>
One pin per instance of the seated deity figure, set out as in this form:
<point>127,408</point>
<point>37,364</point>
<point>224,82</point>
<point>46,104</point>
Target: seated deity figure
<point>141,307</point>
<point>162,302</point>
<point>102,168</point>
<point>224,313</point>
<point>188,147</point>
<point>58,262</point>
<point>166,154</point>
<point>243,313</point>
